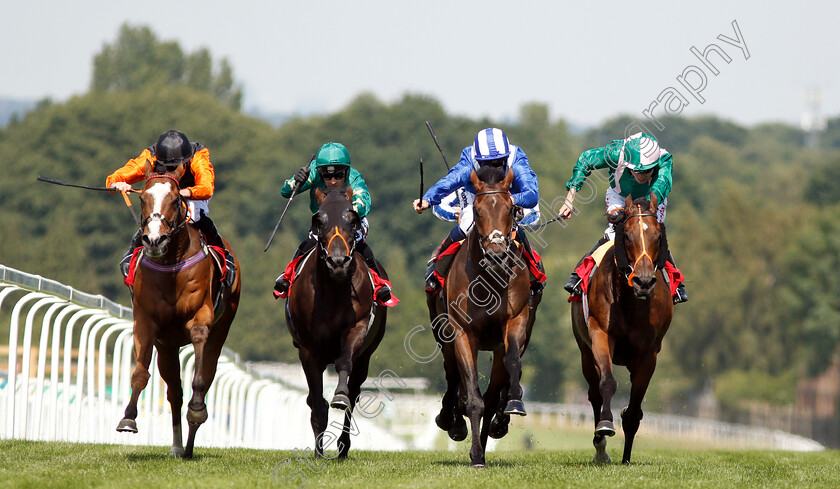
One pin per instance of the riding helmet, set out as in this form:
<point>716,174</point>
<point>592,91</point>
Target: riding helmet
<point>172,148</point>
<point>641,151</point>
<point>331,155</point>
<point>491,144</point>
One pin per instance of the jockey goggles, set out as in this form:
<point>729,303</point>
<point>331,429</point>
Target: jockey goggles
<point>333,175</point>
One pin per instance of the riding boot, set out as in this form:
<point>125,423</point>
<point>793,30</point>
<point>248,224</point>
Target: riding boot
<point>211,234</point>
<point>126,260</point>
<point>384,293</point>
<point>536,285</point>
<point>680,295</point>
<point>281,283</point>
<point>573,285</point>
<point>431,282</point>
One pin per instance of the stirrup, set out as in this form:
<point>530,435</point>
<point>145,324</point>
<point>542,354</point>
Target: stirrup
<point>573,285</point>
<point>383,295</point>
<point>680,296</point>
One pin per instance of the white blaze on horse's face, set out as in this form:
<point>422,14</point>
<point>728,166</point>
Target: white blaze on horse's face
<point>496,237</point>
<point>158,191</point>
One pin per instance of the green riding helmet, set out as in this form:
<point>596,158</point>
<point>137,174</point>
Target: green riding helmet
<point>332,155</point>
<point>641,152</point>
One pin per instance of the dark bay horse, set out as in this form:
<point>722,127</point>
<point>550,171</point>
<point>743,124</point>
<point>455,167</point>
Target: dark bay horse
<point>630,309</point>
<point>329,313</point>
<point>174,287</point>
<point>485,305</point>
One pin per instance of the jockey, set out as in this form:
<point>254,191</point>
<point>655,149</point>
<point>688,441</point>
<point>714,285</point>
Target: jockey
<point>637,166</point>
<point>453,195</point>
<point>331,168</point>
<point>197,185</point>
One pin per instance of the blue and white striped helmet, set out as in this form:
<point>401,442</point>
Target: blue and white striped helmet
<point>491,144</point>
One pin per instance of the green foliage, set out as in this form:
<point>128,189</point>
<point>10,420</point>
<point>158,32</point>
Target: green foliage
<point>751,220</point>
<point>737,389</point>
<point>138,60</point>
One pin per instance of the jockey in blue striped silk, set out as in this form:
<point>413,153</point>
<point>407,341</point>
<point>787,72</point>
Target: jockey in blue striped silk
<point>453,195</point>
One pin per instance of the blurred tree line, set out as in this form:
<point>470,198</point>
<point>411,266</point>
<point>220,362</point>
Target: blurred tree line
<point>752,218</point>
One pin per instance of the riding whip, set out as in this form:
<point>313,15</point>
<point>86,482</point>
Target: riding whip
<point>437,143</point>
<point>294,192</point>
<point>421,178</point>
<point>99,189</point>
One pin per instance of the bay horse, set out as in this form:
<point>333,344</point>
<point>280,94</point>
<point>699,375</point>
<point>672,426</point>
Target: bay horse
<point>174,287</point>
<point>331,313</point>
<point>485,304</point>
<point>630,309</point>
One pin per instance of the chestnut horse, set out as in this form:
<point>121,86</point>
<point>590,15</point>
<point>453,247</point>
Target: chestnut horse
<point>485,305</point>
<point>174,287</point>
<point>630,309</point>
<point>331,314</point>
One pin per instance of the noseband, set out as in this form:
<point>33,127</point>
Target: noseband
<point>496,237</point>
<point>336,234</point>
<point>156,216</point>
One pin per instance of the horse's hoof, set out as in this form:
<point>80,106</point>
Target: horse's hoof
<point>459,431</point>
<point>127,425</point>
<point>196,418</point>
<point>602,459</point>
<point>440,424</point>
<point>477,466</point>
<point>176,452</point>
<point>515,406</point>
<point>605,428</point>
<point>498,428</point>
<point>340,401</point>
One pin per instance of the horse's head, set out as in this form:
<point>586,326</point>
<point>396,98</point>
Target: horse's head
<point>336,224</point>
<point>641,237</point>
<point>493,211</point>
<point>164,213</point>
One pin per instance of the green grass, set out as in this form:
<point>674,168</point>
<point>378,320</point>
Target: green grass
<point>65,465</point>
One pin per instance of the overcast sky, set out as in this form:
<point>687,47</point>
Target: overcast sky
<point>587,61</point>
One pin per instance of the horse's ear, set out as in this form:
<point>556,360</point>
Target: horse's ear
<point>349,193</point>
<point>628,201</point>
<point>653,201</point>
<point>179,171</point>
<point>476,182</point>
<point>320,196</point>
<point>508,179</point>
<point>148,168</point>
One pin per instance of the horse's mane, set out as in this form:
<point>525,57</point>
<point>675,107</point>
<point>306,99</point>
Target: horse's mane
<point>491,174</point>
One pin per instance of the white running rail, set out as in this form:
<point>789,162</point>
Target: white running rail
<point>68,378</point>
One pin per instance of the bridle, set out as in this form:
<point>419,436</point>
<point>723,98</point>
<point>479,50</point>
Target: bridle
<point>336,234</point>
<point>496,237</point>
<point>630,270</point>
<point>156,216</point>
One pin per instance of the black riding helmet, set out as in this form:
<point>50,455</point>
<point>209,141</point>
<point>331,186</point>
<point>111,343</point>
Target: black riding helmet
<point>172,149</point>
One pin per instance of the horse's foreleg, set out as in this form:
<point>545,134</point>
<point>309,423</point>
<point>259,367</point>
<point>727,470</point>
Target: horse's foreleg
<point>495,420</point>
<point>318,418</point>
<point>450,419</point>
<point>640,377</point>
<point>139,379</point>
<point>350,345</point>
<point>357,377</point>
<point>170,370</point>
<point>602,353</point>
<point>206,358</point>
<point>467,354</point>
<point>515,340</point>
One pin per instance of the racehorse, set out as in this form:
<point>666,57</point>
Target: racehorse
<point>331,314</point>
<point>485,305</point>
<point>174,287</point>
<point>630,309</point>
